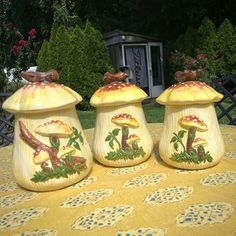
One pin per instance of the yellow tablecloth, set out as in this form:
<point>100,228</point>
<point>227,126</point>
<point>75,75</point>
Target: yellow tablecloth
<point>148,199</point>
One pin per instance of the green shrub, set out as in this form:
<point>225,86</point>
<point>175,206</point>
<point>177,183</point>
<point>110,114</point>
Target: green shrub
<point>226,38</point>
<point>187,42</point>
<point>80,57</point>
<point>208,38</point>
<point>217,46</point>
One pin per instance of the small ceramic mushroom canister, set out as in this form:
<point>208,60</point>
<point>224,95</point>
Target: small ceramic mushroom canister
<point>50,150</point>
<point>191,137</point>
<point>121,137</point>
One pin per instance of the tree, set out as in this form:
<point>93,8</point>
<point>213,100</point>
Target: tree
<point>207,38</point>
<point>188,42</point>
<point>80,57</point>
<point>226,39</point>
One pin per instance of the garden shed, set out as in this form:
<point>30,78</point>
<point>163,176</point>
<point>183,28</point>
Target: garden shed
<point>140,56</point>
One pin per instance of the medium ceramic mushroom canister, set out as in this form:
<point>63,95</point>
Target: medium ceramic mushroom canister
<point>121,137</point>
<point>191,137</point>
<point>50,150</point>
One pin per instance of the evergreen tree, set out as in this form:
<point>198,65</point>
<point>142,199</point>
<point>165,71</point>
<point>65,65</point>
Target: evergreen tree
<point>76,61</point>
<point>98,58</point>
<point>46,56</point>
<point>233,57</point>
<point>188,42</point>
<point>207,45</point>
<point>80,57</point>
<point>225,40</point>
<point>59,49</point>
<point>207,38</point>
<point>42,61</point>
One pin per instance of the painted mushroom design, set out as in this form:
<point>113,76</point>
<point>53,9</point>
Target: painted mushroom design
<point>192,123</point>
<point>133,140</point>
<point>118,113</point>
<point>45,121</point>
<point>43,152</point>
<point>41,156</point>
<point>190,105</point>
<point>125,121</point>
<point>199,143</point>
<point>54,129</point>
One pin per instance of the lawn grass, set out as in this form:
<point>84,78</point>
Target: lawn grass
<point>153,113</point>
<point>87,119</point>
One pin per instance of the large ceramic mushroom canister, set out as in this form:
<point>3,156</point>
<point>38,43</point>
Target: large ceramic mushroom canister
<point>50,150</point>
<point>191,137</point>
<point>121,137</point>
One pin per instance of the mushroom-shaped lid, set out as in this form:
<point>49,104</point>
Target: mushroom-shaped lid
<point>189,92</point>
<point>117,93</point>
<point>41,95</point>
<point>199,142</point>
<point>54,128</point>
<point>133,138</point>
<point>193,121</point>
<point>125,119</point>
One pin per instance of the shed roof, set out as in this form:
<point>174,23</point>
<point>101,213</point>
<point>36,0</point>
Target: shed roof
<point>118,36</point>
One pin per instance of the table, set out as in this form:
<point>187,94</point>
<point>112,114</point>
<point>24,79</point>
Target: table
<point>148,199</point>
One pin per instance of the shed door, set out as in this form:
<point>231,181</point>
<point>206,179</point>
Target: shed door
<point>155,70</point>
<point>135,56</point>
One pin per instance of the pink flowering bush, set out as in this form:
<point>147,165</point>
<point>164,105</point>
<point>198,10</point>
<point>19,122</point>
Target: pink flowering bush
<point>182,62</point>
<point>32,33</point>
<point>17,53</point>
<point>23,51</point>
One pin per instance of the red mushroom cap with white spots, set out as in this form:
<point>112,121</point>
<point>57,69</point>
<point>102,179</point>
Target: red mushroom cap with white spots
<point>193,121</point>
<point>189,92</point>
<point>117,93</point>
<point>125,119</point>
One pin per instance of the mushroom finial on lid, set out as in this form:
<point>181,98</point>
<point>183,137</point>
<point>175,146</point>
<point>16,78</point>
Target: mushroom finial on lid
<point>109,77</point>
<point>49,76</point>
<point>41,94</point>
<point>189,92</point>
<point>117,93</point>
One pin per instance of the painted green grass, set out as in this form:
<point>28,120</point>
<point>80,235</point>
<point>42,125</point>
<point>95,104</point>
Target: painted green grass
<point>153,114</point>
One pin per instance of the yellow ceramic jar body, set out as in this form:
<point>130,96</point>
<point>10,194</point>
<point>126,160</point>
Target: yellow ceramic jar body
<point>121,137</point>
<point>191,137</point>
<point>33,168</point>
<point>115,144</point>
<point>50,150</point>
<point>175,135</point>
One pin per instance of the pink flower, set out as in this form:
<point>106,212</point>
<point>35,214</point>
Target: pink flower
<point>199,56</point>
<point>32,33</point>
<point>15,49</point>
<point>22,43</point>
